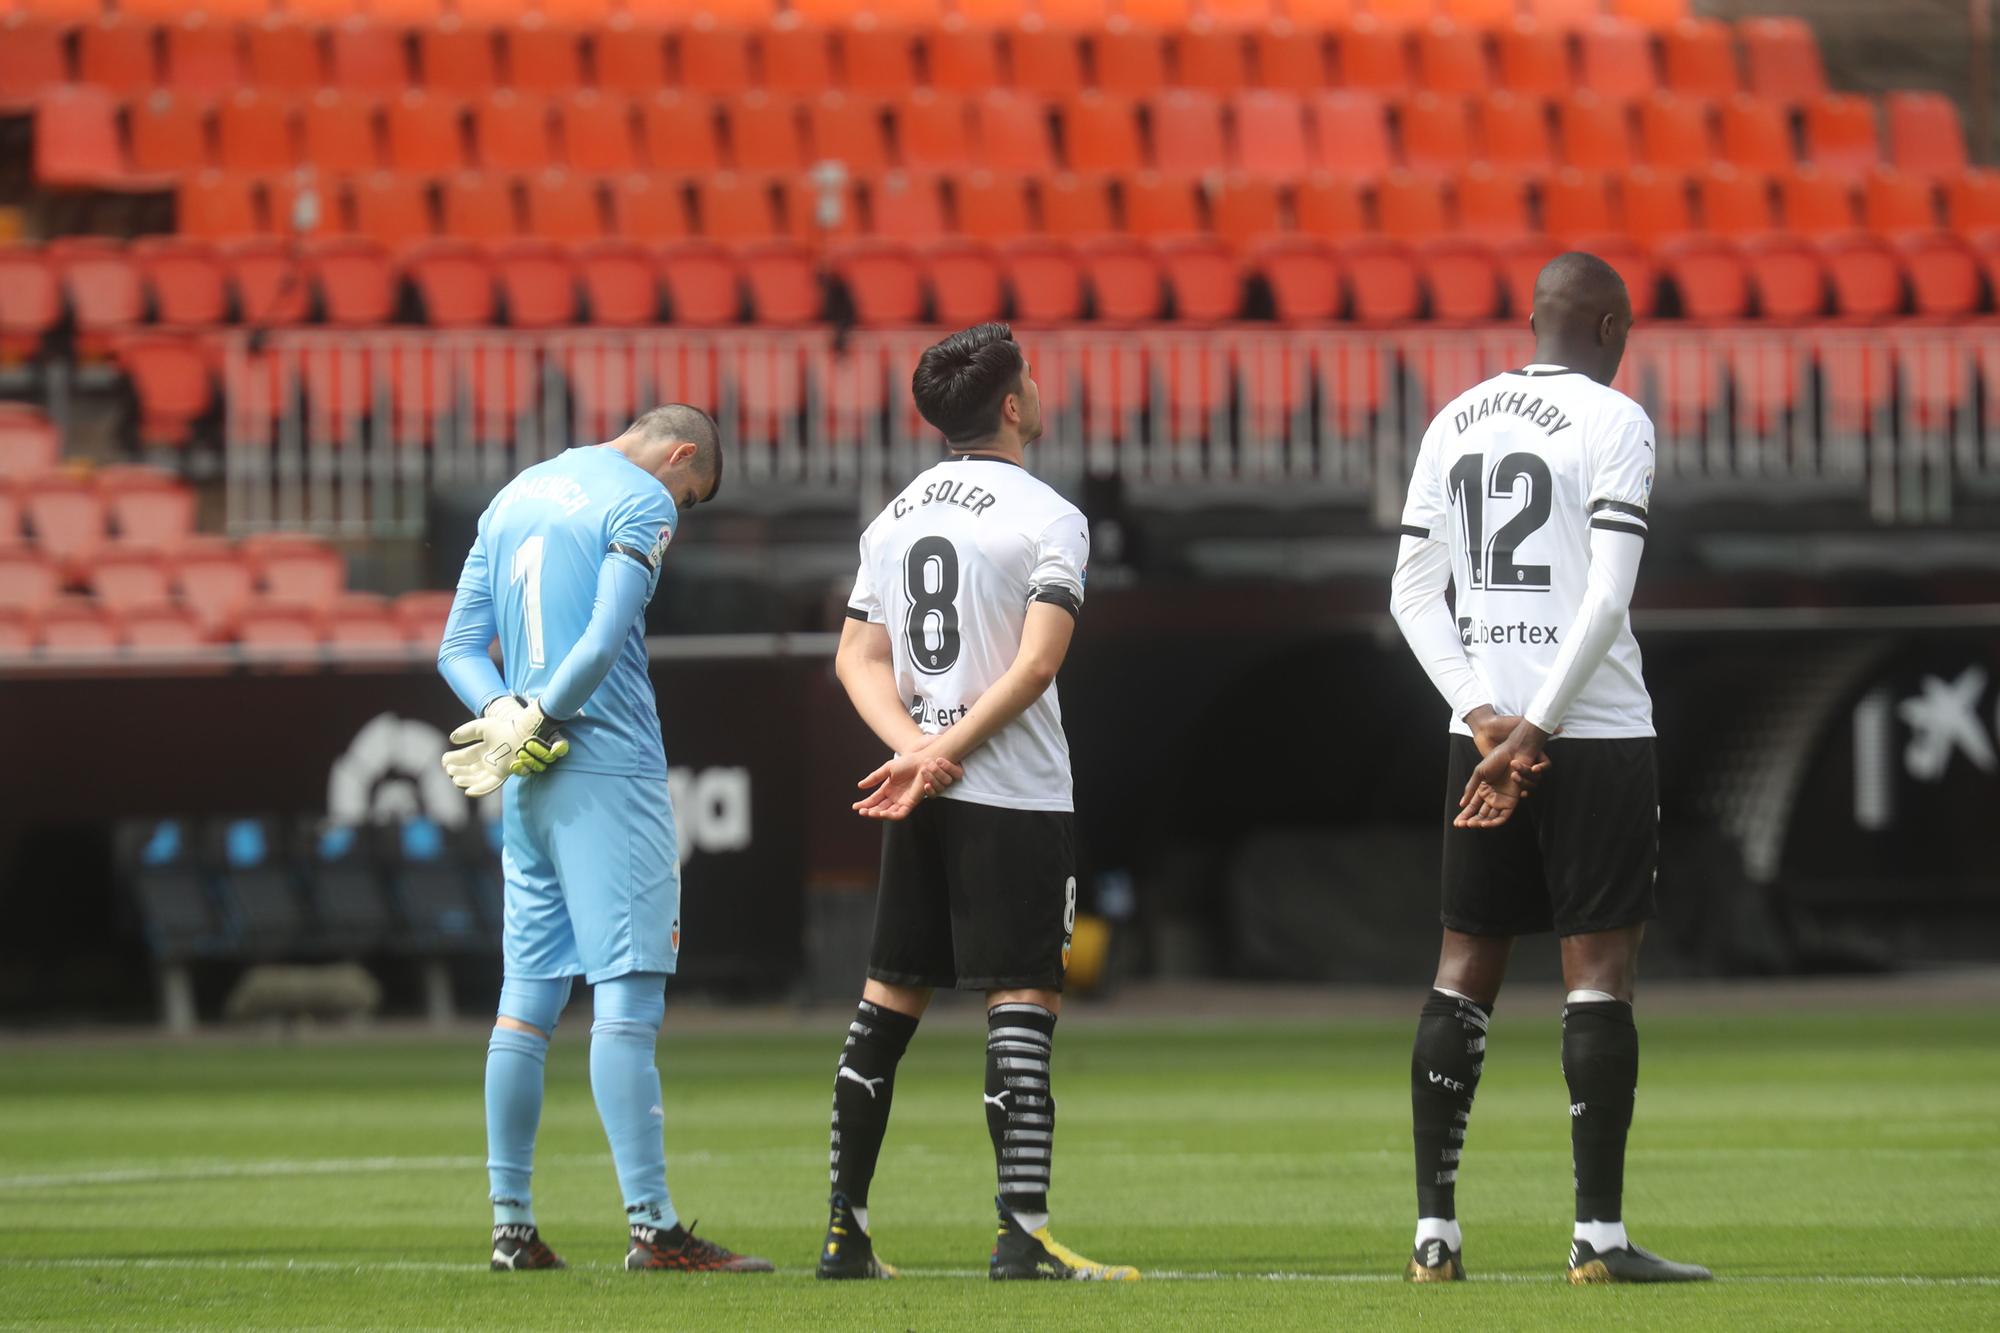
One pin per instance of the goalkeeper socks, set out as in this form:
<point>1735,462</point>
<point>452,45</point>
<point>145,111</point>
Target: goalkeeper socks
<point>1600,1054</point>
<point>1020,1112</point>
<point>514,1063</point>
<point>626,1084</point>
<point>862,1086</point>
<point>1450,1051</point>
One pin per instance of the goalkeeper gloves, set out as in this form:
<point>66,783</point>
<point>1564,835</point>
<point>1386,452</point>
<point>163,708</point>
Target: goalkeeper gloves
<point>515,738</point>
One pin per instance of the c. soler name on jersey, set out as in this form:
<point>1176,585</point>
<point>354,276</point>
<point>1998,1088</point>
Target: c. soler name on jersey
<point>961,493</point>
<point>1548,416</point>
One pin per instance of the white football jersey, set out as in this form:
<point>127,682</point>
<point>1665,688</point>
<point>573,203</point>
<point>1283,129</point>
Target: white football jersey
<point>1512,475</point>
<point>950,567</point>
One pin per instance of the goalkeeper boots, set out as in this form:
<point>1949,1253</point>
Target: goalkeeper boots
<point>1589,1266</point>
<point>849,1251</point>
<point>678,1249</point>
<point>1435,1261</point>
<point>1020,1253</point>
<point>518,1248</point>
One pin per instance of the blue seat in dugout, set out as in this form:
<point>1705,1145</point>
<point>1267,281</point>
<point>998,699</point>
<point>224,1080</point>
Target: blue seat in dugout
<point>345,875</point>
<point>160,861</point>
<point>259,884</point>
<point>434,874</point>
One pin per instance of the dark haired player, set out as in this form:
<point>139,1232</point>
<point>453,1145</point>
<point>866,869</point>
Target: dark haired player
<point>969,589</point>
<point>1530,496</point>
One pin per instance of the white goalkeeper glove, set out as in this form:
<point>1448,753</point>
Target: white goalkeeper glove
<point>512,740</point>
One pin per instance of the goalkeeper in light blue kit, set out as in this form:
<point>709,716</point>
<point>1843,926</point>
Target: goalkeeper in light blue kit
<point>568,555</point>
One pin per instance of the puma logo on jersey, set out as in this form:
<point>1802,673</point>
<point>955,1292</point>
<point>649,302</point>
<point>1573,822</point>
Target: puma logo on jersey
<point>1548,416</point>
<point>868,1083</point>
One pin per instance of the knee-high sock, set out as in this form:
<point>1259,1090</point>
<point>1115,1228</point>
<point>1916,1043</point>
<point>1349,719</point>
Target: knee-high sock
<point>514,1061</point>
<point>626,1084</point>
<point>862,1087</point>
<point>1450,1051</point>
<point>1601,1063</point>
<point>1020,1109</point>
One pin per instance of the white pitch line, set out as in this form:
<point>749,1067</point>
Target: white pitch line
<point>182,1172</point>
<point>1170,1275</point>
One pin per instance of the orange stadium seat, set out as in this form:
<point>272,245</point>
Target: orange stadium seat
<point>1174,14</point>
<point>1895,204</point>
<point>537,285</point>
<point>1943,276</point>
<point>392,210</point>
<point>876,61</point>
<point>253,133</point>
<point>1925,137</point>
<point>1269,134</point>
<point>30,301</point>
<point>1320,15</point>
<point>1782,59</point>
<point>1302,276</point>
<point>364,58</point>
<point>121,580</point>
<point>849,130</point>
<point>764,133</point>
<point>1236,14</point>
<point>1127,60</point>
<point>1351,133</point>
<point>1244,209</point>
<point>1126,285</point>
<point>1654,205</point>
<point>1534,60</point>
<point>272,626</point>
<point>478,206</point>
<point>908,207</point>
<point>361,621</point>
<point>510,132</point>
<point>204,57</point>
<point>1733,202</point>
<point>160,627</point>
<point>1675,133</point>
<point>712,59</point>
<point>170,378</point>
<point>184,280</point>
<point>337,133</point>
<point>1437,133</point>
<point>1045,280</point>
<point>28,443</point>
<point>1755,135</point>
<point>1160,205</point>
<point>282,54</point>
<point>356,285</point>
<point>1520,262</point>
<point>1187,132</point>
<point>1657,14</point>
<point>77,625</point>
<point>1045,61</point>
<point>1972,202</point>
<point>1710,277</point>
<point>1401,14</point>
<point>151,511</point>
<point>1204,282</point>
<point>1289,58</point>
<point>117,56</point>
<point>960,57</point>
<point>102,284</point>
<point>29,580</point>
<point>931,131</point>
<point>1372,56</point>
<point>1381,279</point>
<point>214,584</point>
<point>66,516</point>
<point>1514,132</point>
<point>1616,61</point>
<point>422,615</point>
<point>587,15</point>
<point>267,280</point>
<point>1100,133</point>
<point>703,283</point>
<point>630,59</point>
<point>564,207</point>
<point>1329,206</point>
<point>1816,204</point>
<point>1076,206</point>
<point>735,207</point>
<point>1492,205</point>
<point>991,206</point>
<point>1576,203</point>
<point>1700,58</point>
<point>541,59</point>
<point>596,133</point>
<point>678,131</point>
<point>1077,15</point>
<point>17,629</point>
<point>1012,132</point>
<point>1789,278</point>
<point>1213,58</point>
<point>425,133</point>
<point>1462,279</point>
<point>1840,134</point>
<point>32,60</point>
<point>1866,279</point>
<point>648,208</point>
<point>458,60</point>
<point>76,141</point>
<point>1451,59</point>
<point>795,58</point>
<point>1410,206</point>
<point>782,284</point>
<point>964,282</point>
<point>883,281</point>
<point>168,133</point>
<point>1596,133</point>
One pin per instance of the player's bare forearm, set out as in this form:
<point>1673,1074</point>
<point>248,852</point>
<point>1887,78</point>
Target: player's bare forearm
<point>1045,640</point>
<point>867,672</point>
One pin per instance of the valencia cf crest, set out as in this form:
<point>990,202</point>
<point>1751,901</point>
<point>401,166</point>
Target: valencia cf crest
<point>677,938</point>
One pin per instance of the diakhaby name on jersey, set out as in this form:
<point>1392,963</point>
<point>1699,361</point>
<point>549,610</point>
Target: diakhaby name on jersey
<point>561,490</point>
<point>963,494</point>
<point>1549,417</point>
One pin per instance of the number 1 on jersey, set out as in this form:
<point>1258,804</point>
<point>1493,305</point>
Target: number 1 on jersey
<point>930,579</point>
<point>528,571</point>
<point>1491,564</point>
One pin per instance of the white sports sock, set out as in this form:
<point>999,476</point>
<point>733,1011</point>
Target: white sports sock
<point>1439,1228</point>
<point>1590,997</point>
<point>861,1216</point>
<point>1602,1236</point>
<point>1031,1222</point>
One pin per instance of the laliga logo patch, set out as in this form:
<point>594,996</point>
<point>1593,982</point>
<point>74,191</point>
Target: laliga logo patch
<point>660,543</point>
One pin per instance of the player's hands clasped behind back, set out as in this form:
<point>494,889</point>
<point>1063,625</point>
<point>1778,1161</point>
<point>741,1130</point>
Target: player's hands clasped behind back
<point>906,782</point>
<point>1512,763</point>
<point>513,739</point>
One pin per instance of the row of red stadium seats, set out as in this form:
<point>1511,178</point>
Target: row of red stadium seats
<point>88,625</point>
<point>1273,133</point>
<point>1616,60</point>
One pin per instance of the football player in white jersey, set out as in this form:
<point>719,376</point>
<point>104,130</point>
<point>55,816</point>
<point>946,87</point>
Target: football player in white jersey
<point>970,585</point>
<point>1530,496</point>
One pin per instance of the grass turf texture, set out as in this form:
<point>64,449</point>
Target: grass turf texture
<point>1835,1169</point>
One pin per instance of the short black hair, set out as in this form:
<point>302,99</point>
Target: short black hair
<point>960,383</point>
<point>684,424</point>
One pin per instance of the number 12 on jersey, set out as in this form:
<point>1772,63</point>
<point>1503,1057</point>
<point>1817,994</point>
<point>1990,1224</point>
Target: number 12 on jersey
<point>1491,560</point>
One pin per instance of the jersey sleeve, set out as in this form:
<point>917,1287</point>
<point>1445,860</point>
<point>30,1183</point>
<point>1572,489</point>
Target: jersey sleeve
<point>1621,476</point>
<point>1062,563</point>
<point>1424,508</point>
<point>641,526</point>
<point>865,603</point>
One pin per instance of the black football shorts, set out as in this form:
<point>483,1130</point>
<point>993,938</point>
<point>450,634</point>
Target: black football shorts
<point>975,896</point>
<point>1578,856</point>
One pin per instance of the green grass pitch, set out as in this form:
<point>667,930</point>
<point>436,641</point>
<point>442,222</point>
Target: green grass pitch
<point>1837,1169</point>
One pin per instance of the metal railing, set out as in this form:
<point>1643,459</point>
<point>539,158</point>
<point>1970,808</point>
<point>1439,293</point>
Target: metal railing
<point>345,433</point>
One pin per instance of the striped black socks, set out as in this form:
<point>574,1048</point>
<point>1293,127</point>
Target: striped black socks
<point>1020,1112</point>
